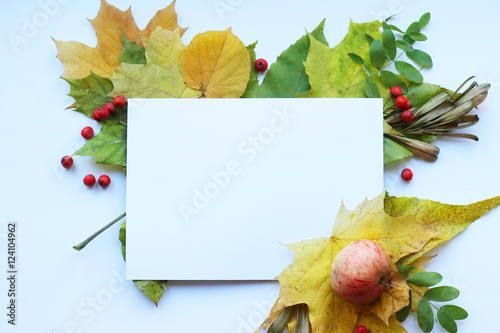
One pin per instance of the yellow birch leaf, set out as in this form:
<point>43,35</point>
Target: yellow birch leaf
<point>217,63</point>
<point>79,59</point>
<point>378,326</point>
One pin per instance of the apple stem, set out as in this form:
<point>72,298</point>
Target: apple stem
<point>80,246</point>
<point>388,285</point>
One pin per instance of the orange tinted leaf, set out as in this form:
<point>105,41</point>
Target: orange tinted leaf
<point>79,59</point>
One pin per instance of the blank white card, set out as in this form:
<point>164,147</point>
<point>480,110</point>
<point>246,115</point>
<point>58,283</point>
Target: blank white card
<point>216,186</point>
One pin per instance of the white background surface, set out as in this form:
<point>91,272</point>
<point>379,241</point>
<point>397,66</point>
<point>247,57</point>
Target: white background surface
<point>221,208</point>
<point>61,290</point>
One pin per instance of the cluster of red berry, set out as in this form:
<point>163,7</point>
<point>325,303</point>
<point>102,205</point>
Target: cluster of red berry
<point>100,113</point>
<point>407,116</point>
<point>103,112</point>
<point>402,103</point>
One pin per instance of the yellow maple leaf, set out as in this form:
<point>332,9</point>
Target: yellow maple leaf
<point>412,227</point>
<point>217,63</point>
<point>79,59</point>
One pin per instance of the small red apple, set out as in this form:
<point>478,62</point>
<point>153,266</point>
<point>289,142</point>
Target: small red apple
<point>361,271</point>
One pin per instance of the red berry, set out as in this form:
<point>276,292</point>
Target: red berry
<point>119,101</point>
<point>260,65</point>
<point>361,329</point>
<point>89,180</point>
<point>395,92</point>
<point>94,115</point>
<point>102,113</point>
<point>401,102</point>
<point>87,132</point>
<point>407,116</point>
<point>67,162</point>
<point>408,105</point>
<point>110,107</point>
<point>104,181</point>
<point>407,175</point>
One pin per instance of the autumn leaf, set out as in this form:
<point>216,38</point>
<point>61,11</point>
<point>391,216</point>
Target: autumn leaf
<point>412,227</point>
<point>160,77</point>
<point>445,221</point>
<point>79,59</point>
<point>151,288</point>
<point>217,63</point>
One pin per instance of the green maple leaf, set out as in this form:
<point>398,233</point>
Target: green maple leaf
<point>109,146</point>
<point>90,93</point>
<point>131,52</point>
<point>160,77</point>
<point>331,69</point>
<point>153,289</point>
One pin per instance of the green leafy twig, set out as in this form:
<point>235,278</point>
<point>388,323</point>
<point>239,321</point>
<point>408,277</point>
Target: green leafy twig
<point>446,314</point>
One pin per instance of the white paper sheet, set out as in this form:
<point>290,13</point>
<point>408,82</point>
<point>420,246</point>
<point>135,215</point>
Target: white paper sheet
<point>216,186</point>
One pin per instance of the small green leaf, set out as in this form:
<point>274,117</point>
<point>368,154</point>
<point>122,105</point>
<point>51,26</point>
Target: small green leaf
<point>393,151</point>
<point>368,38</point>
<point>109,146</point>
<point>402,314</point>
<point>454,312</point>
<point>393,27</point>
<point>447,322</point>
<point>122,238</point>
<point>371,89</point>
<point>389,41</point>
<point>131,52</point>
<point>418,36</point>
<point>424,20</point>
<point>419,94</point>
<point>404,45</point>
<point>390,80</point>
<point>407,39</point>
<point>425,279</point>
<point>405,270</point>
<point>425,316</point>
<point>420,57</point>
<point>408,71</point>
<point>414,27</point>
<point>153,289</point>
<point>356,58</point>
<point>377,54</point>
<point>442,294</point>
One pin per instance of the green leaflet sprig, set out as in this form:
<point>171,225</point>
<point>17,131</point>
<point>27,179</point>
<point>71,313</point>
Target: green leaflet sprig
<point>384,53</point>
<point>420,284</point>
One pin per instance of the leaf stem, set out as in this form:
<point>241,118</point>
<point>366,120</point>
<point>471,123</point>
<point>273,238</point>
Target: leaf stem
<point>420,294</point>
<point>80,246</point>
<point>372,75</point>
